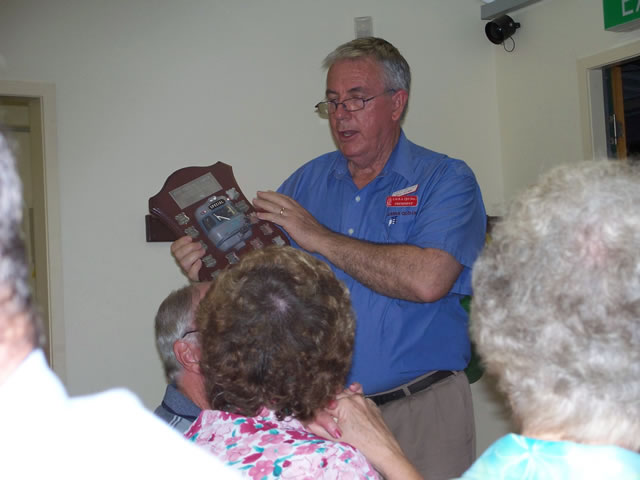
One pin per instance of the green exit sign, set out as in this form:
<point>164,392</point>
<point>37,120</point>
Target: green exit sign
<point>621,15</point>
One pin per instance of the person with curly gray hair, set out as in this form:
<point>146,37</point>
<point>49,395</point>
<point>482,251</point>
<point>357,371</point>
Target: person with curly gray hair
<point>556,318</point>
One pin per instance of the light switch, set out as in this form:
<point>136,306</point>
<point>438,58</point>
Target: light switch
<point>363,26</point>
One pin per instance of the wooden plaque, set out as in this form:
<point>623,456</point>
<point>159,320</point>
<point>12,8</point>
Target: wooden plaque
<point>207,204</point>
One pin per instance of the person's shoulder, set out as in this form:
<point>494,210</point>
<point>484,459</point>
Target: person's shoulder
<point>320,163</point>
<point>439,161</point>
<point>326,458</point>
<point>114,399</point>
<point>119,409</point>
<point>114,425</point>
<point>312,171</point>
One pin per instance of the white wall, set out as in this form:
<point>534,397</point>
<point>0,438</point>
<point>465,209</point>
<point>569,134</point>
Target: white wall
<point>161,85</point>
<point>144,88</point>
<point>537,84</point>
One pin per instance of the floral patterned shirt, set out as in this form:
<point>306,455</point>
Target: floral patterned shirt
<point>264,447</point>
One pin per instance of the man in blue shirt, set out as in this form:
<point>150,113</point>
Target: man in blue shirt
<point>401,226</point>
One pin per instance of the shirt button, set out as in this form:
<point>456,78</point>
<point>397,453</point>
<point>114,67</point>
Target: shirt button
<point>358,198</point>
<point>350,231</point>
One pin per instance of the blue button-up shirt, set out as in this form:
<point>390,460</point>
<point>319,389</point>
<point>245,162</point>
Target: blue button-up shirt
<point>398,340</point>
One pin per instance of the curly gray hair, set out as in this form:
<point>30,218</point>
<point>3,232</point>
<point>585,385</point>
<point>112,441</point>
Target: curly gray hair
<point>397,74</point>
<point>14,272</point>
<point>556,306</point>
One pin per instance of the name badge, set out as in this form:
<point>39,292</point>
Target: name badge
<point>402,201</point>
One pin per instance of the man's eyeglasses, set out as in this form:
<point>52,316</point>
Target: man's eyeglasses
<point>354,104</point>
<point>188,332</point>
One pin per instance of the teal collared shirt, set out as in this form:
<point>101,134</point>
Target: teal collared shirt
<point>515,457</point>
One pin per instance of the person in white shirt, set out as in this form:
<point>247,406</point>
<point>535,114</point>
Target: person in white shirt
<point>47,434</point>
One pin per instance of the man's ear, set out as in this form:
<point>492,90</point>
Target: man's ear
<point>399,99</point>
<point>188,355</point>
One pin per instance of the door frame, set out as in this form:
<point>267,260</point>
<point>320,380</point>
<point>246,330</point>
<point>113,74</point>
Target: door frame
<point>46,94</point>
<point>591,98</point>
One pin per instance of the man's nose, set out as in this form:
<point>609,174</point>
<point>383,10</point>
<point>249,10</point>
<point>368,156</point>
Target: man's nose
<point>341,112</point>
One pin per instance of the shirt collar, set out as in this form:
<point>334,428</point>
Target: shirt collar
<point>401,161</point>
<point>515,454</point>
<point>339,167</point>
<point>178,403</point>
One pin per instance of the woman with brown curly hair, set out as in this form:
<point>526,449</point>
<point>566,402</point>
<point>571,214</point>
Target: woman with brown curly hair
<point>277,337</point>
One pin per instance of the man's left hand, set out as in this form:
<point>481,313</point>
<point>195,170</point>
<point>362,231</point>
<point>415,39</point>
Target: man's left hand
<point>282,210</point>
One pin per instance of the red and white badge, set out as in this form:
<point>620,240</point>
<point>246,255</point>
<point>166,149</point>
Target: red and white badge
<point>403,201</point>
<point>401,198</point>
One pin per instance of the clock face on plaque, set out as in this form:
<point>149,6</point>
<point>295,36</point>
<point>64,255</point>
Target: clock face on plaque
<point>207,204</point>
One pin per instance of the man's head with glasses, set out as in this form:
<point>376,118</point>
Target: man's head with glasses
<point>395,70</point>
<point>368,83</point>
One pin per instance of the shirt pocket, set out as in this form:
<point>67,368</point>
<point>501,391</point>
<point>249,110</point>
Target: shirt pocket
<point>399,222</point>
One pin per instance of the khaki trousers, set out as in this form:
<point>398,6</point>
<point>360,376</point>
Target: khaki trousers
<point>435,427</point>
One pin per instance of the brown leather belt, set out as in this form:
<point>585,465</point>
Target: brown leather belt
<point>412,388</point>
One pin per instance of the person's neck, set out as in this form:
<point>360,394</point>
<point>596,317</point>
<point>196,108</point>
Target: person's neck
<point>363,172</point>
<point>191,386</point>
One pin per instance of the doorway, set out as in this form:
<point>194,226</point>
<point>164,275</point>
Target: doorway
<point>621,86</point>
<point>609,92</point>
<point>28,119</point>
<point>20,123</point>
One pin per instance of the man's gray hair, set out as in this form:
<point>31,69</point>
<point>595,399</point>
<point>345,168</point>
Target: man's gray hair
<point>397,74</point>
<point>556,304</point>
<point>174,318</point>
<point>14,272</point>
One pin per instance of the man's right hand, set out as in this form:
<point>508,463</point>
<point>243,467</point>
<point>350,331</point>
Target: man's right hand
<point>187,254</point>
